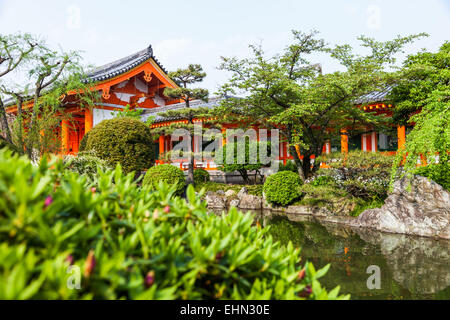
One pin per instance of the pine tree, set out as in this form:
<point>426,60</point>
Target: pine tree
<point>183,77</point>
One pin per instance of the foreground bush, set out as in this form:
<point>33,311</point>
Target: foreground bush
<point>201,176</point>
<point>86,164</point>
<point>7,145</point>
<point>61,240</point>
<point>166,173</point>
<point>282,188</point>
<point>122,140</point>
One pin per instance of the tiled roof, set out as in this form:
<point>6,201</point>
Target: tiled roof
<point>375,96</point>
<point>113,69</point>
<point>123,65</point>
<point>212,102</point>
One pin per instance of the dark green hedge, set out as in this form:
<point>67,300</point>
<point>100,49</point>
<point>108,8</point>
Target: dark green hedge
<point>122,140</point>
<point>282,188</point>
<point>201,176</point>
<point>166,173</point>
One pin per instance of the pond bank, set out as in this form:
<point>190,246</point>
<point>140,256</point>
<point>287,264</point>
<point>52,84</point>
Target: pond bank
<point>410,267</point>
<point>420,208</point>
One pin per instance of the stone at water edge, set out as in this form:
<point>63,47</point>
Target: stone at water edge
<point>215,200</point>
<point>234,203</point>
<point>422,211</point>
<point>249,201</point>
<point>230,193</point>
<point>242,192</point>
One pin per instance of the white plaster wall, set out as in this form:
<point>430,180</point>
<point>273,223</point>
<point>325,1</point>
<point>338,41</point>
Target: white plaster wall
<point>159,101</point>
<point>100,114</point>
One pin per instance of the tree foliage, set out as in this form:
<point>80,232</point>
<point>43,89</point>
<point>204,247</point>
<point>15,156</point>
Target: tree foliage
<point>425,87</point>
<point>288,92</point>
<point>244,156</point>
<point>184,77</point>
<point>39,81</point>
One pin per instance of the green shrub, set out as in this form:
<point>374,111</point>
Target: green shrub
<point>365,175</point>
<point>86,164</point>
<point>166,173</point>
<point>282,188</point>
<point>122,140</point>
<point>201,176</point>
<point>289,166</point>
<point>119,241</point>
<point>439,173</point>
<point>323,181</point>
<point>9,146</point>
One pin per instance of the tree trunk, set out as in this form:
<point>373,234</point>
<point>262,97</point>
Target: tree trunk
<point>5,123</point>
<point>244,176</point>
<point>298,162</point>
<point>190,177</point>
<point>306,165</point>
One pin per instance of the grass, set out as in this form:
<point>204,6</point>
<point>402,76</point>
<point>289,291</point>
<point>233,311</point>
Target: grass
<point>362,206</point>
<point>215,186</point>
<point>327,195</point>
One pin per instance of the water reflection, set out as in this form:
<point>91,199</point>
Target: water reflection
<point>411,267</point>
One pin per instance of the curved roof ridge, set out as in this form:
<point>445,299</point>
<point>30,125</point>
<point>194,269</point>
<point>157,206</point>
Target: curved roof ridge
<point>122,65</point>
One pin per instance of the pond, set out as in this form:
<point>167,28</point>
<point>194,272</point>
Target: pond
<point>410,267</point>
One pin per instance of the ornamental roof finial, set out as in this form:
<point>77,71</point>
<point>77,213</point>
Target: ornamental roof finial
<point>150,50</point>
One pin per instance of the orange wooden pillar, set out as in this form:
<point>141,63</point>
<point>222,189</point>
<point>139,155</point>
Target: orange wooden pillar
<point>344,141</point>
<point>65,136</point>
<point>88,120</point>
<point>161,145</point>
<point>401,135</point>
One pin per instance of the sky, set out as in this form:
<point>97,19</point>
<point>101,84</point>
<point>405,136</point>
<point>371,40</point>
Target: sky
<point>200,31</point>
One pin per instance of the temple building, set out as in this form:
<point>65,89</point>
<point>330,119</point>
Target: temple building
<point>139,81</point>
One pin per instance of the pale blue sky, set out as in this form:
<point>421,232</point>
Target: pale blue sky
<point>197,31</point>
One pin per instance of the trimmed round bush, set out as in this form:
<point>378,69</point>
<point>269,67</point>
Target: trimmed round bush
<point>166,173</point>
<point>282,188</point>
<point>123,140</point>
<point>201,175</point>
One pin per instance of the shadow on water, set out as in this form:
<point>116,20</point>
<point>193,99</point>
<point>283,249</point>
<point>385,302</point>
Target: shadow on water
<point>411,267</point>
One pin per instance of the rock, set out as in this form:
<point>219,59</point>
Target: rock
<point>305,210</point>
<point>230,193</point>
<point>249,201</point>
<point>422,211</point>
<point>308,210</point>
<point>234,203</point>
<point>220,192</point>
<point>243,192</point>
<point>215,200</point>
